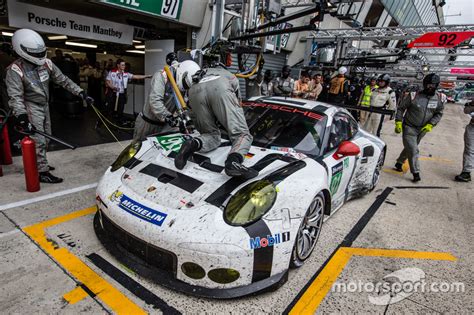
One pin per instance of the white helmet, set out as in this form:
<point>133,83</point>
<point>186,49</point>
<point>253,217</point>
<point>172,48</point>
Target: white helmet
<point>342,70</point>
<point>29,45</point>
<point>184,74</point>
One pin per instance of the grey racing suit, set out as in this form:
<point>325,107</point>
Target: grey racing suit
<point>283,87</point>
<point>159,104</point>
<point>380,98</point>
<point>28,90</point>
<point>416,113</point>
<point>468,155</point>
<point>216,100</point>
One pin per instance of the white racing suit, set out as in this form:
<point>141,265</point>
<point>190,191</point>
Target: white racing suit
<point>416,113</point>
<point>28,90</point>
<point>216,100</point>
<point>283,87</point>
<point>380,98</point>
<point>160,104</point>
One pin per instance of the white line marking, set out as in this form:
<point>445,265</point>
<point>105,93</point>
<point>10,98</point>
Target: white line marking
<point>15,231</point>
<point>46,197</point>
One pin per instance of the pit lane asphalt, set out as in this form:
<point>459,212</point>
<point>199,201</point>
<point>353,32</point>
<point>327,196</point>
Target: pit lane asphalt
<point>414,219</point>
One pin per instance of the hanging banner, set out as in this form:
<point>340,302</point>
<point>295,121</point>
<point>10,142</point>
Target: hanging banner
<point>462,70</point>
<point>23,15</point>
<point>166,8</point>
<point>440,40</point>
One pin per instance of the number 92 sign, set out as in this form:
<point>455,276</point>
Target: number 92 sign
<point>440,39</point>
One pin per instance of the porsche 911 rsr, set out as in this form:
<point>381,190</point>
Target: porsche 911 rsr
<point>201,232</point>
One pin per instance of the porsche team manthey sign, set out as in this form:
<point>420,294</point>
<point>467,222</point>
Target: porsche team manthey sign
<point>166,8</point>
<point>46,20</point>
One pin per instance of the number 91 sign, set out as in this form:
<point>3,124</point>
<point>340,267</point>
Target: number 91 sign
<point>440,39</point>
<point>170,8</point>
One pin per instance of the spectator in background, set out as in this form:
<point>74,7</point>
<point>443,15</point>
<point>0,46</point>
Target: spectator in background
<point>355,91</point>
<point>267,84</point>
<point>253,84</point>
<point>301,89</point>
<point>326,84</point>
<point>58,57</point>
<point>84,73</point>
<point>284,84</point>
<point>116,83</point>
<point>339,88</point>
<point>365,98</point>
<point>95,84</point>
<point>315,87</point>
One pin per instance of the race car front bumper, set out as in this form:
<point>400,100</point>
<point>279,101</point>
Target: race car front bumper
<point>160,265</point>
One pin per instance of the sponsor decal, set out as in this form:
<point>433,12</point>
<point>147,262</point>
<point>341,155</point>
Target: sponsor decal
<point>259,242</point>
<point>137,209</point>
<point>336,177</point>
<point>346,163</point>
<point>171,143</point>
<point>249,155</point>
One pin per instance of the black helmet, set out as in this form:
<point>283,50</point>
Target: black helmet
<point>170,58</point>
<point>384,77</point>
<point>431,78</point>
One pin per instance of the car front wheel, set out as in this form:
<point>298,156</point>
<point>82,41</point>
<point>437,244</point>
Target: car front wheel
<point>308,232</point>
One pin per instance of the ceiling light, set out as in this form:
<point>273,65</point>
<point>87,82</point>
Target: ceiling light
<point>7,34</point>
<point>81,45</point>
<point>105,53</point>
<point>139,46</point>
<point>57,37</point>
<point>137,41</point>
<point>136,51</point>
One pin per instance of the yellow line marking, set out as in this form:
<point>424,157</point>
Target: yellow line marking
<point>319,288</point>
<point>115,299</point>
<point>310,300</point>
<point>77,294</point>
<point>435,159</point>
<point>397,253</point>
<point>389,170</point>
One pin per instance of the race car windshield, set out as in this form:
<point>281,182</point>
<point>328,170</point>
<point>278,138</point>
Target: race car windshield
<point>285,128</point>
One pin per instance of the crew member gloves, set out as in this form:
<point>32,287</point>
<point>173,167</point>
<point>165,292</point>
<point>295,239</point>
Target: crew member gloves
<point>22,122</point>
<point>89,100</point>
<point>398,127</point>
<point>427,128</point>
<point>172,120</point>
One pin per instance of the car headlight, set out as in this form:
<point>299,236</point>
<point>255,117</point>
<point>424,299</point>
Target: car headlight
<point>126,155</point>
<point>250,203</point>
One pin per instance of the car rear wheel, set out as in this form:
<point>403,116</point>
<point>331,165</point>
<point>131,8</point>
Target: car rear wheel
<point>308,232</point>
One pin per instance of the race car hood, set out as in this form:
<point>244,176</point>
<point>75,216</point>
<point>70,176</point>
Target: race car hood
<point>202,181</point>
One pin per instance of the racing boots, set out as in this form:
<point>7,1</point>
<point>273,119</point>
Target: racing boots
<point>398,167</point>
<point>186,151</point>
<point>234,167</point>
<point>416,177</point>
<point>47,177</point>
<point>463,177</point>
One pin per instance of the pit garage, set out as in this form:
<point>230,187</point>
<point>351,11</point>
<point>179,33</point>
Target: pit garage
<point>327,226</point>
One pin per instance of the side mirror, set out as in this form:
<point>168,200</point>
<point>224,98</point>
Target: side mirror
<point>346,148</point>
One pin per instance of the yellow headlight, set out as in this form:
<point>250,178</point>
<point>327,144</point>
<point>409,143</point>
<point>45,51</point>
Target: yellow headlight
<point>126,155</point>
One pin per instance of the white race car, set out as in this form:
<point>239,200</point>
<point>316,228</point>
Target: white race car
<point>202,232</point>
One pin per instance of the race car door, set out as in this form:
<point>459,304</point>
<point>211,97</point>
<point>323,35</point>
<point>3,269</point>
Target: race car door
<point>340,170</point>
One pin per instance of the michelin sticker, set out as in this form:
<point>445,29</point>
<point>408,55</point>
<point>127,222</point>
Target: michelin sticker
<point>259,242</point>
<point>171,143</point>
<point>336,177</point>
<point>137,209</point>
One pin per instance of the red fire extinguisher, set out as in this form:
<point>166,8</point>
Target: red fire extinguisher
<point>28,149</point>
<point>6,158</point>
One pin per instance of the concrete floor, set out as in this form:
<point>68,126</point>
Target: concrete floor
<point>36,276</point>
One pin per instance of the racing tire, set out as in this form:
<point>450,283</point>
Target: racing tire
<point>309,231</point>
<point>378,170</point>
